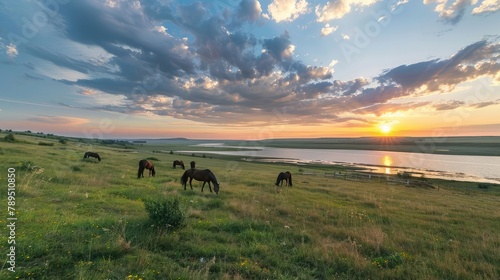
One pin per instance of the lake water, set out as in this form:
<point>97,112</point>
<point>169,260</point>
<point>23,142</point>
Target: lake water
<point>457,167</point>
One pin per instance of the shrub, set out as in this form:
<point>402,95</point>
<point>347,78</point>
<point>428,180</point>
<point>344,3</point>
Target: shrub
<point>164,212</point>
<point>10,138</point>
<point>28,166</point>
<point>404,175</point>
<point>152,158</point>
<point>63,141</point>
<point>45,144</point>
<point>76,168</point>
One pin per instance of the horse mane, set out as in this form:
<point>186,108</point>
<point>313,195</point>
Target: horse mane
<point>212,176</point>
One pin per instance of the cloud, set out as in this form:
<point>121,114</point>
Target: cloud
<point>249,10</point>
<point>474,61</point>
<point>11,50</point>
<point>337,9</point>
<point>287,10</point>
<point>449,105</point>
<point>487,6</point>
<point>209,68</point>
<point>88,91</point>
<point>59,120</point>
<point>453,11</point>
<point>327,30</point>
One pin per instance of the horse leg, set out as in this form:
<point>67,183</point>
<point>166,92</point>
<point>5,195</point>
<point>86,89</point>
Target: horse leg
<point>209,187</point>
<point>202,186</point>
<point>191,180</point>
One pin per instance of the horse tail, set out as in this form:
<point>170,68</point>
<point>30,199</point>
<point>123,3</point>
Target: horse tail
<point>184,178</point>
<point>290,179</point>
<point>98,157</point>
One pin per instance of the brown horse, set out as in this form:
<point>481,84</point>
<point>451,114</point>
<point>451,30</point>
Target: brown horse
<point>178,162</point>
<point>91,154</point>
<point>193,164</point>
<point>206,176</point>
<point>144,164</point>
<point>284,176</point>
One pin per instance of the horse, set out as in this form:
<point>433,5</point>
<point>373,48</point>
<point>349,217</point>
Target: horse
<point>144,164</point>
<point>91,154</point>
<point>193,164</point>
<point>284,176</point>
<point>200,175</point>
<point>178,162</point>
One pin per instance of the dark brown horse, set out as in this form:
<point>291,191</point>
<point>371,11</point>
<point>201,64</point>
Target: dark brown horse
<point>178,162</point>
<point>284,176</point>
<point>91,154</point>
<point>206,176</point>
<point>144,164</point>
<point>193,164</point>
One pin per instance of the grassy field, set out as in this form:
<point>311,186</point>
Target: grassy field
<point>81,219</point>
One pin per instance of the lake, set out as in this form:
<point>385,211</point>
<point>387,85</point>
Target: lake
<point>456,167</point>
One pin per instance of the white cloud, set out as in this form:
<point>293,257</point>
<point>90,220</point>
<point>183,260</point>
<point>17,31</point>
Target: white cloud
<point>161,29</point>
<point>487,6</point>
<point>11,50</point>
<point>452,11</point>
<point>286,10</point>
<point>345,37</point>
<point>338,9</point>
<point>327,30</point>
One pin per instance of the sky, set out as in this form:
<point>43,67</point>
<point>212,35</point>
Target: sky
<point>250,69</point>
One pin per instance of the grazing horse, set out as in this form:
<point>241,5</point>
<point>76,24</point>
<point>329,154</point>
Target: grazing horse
<point>91,154</point>
<point>178,162</point>
<point>200,175</point>
<point>144,164</point>
<point>193,164</point>
<point>284,176</point>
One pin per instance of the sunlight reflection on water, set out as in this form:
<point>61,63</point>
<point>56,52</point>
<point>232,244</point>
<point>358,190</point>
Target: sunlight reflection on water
<point>456,167</point>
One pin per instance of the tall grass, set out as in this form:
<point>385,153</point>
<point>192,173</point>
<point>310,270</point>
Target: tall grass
<point>86,220</point>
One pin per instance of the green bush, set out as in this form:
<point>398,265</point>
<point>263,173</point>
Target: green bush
<point>164,212</point>
<point>63,141</point>
<point>28,166</point>
<point>10,138</point>
<point>404,175</point>
<point>45,144</point>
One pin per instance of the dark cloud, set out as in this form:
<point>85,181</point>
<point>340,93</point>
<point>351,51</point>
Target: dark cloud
<point>383,108</point>
<point>60,59</point>
<point>476,60</point>
<point>248,10</point>
<point>449,105</point>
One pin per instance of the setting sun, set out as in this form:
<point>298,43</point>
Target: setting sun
<point>385,128</point>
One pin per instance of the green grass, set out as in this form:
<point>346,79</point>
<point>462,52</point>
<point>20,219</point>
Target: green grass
<point>81,219</point>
